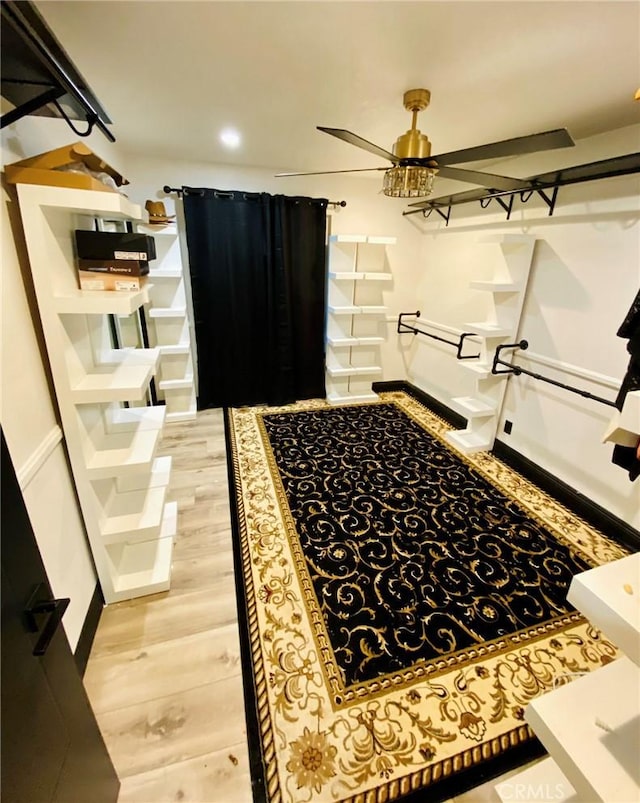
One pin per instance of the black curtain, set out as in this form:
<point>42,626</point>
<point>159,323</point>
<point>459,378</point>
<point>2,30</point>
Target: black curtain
<point>257,265</point>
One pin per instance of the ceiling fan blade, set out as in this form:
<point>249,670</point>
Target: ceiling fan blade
<point>354,139</point>
<point>532,143</point>
<point>490,180</point>
<point>329,172</point>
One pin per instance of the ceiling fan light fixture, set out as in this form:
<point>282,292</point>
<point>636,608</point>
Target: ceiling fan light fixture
<point>409,181</point>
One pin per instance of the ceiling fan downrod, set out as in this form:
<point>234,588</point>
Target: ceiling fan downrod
<point>414,144</point>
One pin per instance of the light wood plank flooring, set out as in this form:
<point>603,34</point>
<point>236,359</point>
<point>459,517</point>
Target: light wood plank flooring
<point>164,675</point>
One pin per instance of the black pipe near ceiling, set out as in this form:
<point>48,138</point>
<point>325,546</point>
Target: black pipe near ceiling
<point>38,77</point>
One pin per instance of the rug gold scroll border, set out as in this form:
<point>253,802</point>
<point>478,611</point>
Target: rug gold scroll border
<point>376,749</point>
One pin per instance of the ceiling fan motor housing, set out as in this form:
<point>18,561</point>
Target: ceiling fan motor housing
<point>414,144</point>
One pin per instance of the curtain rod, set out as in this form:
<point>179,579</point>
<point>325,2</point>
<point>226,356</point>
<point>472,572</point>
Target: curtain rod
<point>180,190</point>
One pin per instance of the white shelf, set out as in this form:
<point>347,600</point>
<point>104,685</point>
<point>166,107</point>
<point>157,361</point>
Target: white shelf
<point>178,348</point>
<point>374,240</point>
<point>358,268</point>
<point>599,760</point>
<point>351,310</point>
<point>119,383</point>
<point>186,415</point>
<point>110,447</point>
<point>334,398</point>
<point>343,342</point>
<point>128,356</point>
<point>510,264</point>
<point>348,238</point>
<point>346,276</point>
<point>176,384</point>
<point>373,310</point>
<point>472,406</point>
<point>123,375</point>
<point>353,370</point>
<point>155,556</point>
<point>93,203</point>
<point>175,273</point>
<point>354,276</point>
<point>467,441</point>
<point>128,419</point>
<point>100,302</point>
<point>122,454</point>
<point>488,329</point>
<point>167,312</point>
<point>609,596</point>
<point>170,326</point>
<point>495,287</point>
<point>133,516</point>
<point>476,367</point>
<point>170,230</point>
<point>159,477</point>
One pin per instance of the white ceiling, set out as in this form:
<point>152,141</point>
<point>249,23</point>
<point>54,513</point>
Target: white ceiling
<point>171,75</point>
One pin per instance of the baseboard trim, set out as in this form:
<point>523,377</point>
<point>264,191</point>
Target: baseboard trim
<point>446,413</point>
<point>89,628</point>
<point>595,515</point>
<point>600,518</point>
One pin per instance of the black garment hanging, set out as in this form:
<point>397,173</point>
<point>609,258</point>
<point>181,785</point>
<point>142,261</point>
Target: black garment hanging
<point>258,268</point>
<point>626,456</point>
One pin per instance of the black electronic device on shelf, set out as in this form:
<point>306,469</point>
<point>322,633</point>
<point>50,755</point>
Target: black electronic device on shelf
<point>114,245</point>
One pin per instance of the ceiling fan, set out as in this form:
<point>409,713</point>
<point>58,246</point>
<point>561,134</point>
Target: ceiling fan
<point>414,168</point>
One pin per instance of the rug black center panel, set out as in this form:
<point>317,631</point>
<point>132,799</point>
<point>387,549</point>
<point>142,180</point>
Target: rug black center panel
<point>412,554</point>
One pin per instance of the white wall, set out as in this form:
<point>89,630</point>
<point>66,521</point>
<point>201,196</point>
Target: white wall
<point>28,412</point>
<point>367,212</point>
<point>585,274</point>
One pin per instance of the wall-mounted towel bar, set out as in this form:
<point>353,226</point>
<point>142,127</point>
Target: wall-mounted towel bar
<point>405,328</point>
<point>517,370</point>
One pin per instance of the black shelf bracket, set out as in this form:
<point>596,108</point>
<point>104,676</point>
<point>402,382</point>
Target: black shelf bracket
<point>506,205</point>
<point>405,328</point>
<point>543,185</point>
<point>517,370</point>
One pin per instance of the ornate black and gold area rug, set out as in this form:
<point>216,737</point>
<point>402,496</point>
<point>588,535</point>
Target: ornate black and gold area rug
<point>403,602</point>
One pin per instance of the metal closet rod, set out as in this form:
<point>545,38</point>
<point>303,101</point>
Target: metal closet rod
<point>404,328</point>
<point>517,370</point>
<point>221,194</point>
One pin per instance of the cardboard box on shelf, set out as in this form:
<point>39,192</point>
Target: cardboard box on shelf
<point>120,245</point>
<point>91,280</point>
<point>56,168</point>
<point>124,267</point>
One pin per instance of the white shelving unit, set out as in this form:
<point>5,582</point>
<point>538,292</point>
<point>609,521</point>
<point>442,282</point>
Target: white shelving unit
<point>510,257</point>
<point>591,726</point>
<point>358,271</point>
<point>168,324</point>
<point>121,484</point>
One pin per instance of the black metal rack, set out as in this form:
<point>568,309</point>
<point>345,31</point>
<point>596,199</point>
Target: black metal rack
<point>545,186</point>
<point>405,328</point>
<point>516,370</point>
<point>38,77</point>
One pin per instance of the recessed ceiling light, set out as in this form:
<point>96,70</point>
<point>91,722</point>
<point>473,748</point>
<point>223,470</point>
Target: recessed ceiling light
<point>230,138</point>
